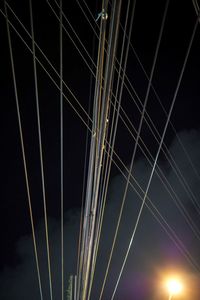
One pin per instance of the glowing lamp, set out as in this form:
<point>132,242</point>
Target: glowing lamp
<point>174,287</point>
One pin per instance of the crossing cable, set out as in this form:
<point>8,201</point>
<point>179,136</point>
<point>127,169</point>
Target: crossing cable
<point>41,151</point>
<point>172,163</point>
<point>116,164</point>
<point>114,124</point>
<point>72,40</point>
<point>182,180</point>
<point>79,255</point>
<point>80,240</point>
<point>99,107</point>
<point>109,68</point>
<point>93,170</point>
<point>49,74</point>
<point>103,167</point>
<point>61,154</point>
<point>166,185</point>
<point>157,215</point>
<point>165,112</point>
<point>23,153</point>
<point>110,138</point>
<point>141,190</point>
<point>77,1</point>
<point>80,42</point>
<point>157,155</point>
<point>43,54</point>
<point>176,169</point>
<point>85,163</point>
<point>168,155</point>
<point>78,102</point>
<point>177,202</point>
<point>177,241</point>
<point>48,61</point>
<point>107,162</point>
<point>116,108</point>
<point>105,102</point>
<point>171,160</point>
<point>135,148</point>
<point>161,220</point>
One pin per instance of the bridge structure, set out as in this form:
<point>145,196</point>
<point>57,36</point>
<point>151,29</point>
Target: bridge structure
<point>100,110</point>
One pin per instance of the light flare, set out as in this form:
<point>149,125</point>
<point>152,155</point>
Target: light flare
<point>174,286</point>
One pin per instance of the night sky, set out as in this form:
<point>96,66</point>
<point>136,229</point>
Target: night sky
<point>175,192</point>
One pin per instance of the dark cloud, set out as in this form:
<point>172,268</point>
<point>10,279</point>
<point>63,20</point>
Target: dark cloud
<point>152,254</point>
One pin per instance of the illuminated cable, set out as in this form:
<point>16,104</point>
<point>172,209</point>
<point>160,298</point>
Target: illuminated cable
<point>23,154</point>
<point>41,64</point>
<point>48,75</point>
<point>157,155</point>
<point>61,154</point>
<point>84,111</point>
<point>134,150</point>
<point>177,170</point>
<point>41,153</point>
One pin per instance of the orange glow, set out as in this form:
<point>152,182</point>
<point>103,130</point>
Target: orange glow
<point>174,286</point>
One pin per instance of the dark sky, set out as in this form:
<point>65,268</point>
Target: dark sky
<point>153,252</point>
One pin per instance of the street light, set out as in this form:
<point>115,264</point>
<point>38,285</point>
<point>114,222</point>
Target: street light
<point>174,287</point>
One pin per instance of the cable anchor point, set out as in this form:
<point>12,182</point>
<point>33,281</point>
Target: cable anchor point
<point>102,14</point>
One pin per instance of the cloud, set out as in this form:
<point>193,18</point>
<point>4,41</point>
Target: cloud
<point>152,250</point>
<point>21,282</point>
